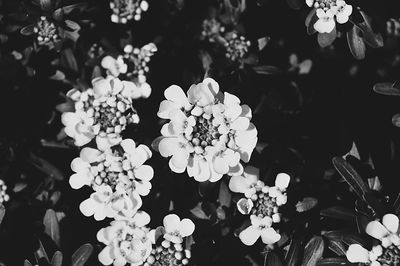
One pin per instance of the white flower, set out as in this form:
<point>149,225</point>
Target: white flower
<point>84,173</point>
<point>208,133</point>
<point>176,229</point>
<point>356,253</point>
<point>310,3</point>
<point>248,184</point>
<point>114,67</point>
<point>259,227</point>
<point>325,22</point>
<point>343,11</point>
<point>387,231</point>
<point>127,241</point>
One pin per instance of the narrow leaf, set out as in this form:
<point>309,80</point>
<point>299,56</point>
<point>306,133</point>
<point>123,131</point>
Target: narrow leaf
<point>293,254</point>
<point>333,262</point>
<point>2,212</point>
<point>386,88</point>
<point>338,247</point>
<point>80,256</point>
<point>273,260</point>
<point>46,167</point>
<point>267,70</point>
<point>313,251</point>
<point>68,59</point>
<point>224,196</point>
<point>340,213</point>
<point>41,252</point>
<point>356,43</point>
<point>51,226</point>
<point>57,259</point>
<point>27,263</point>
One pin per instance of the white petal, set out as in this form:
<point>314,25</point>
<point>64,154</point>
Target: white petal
<point>141,218</point>
<point>88,207</point>
<point>128,145</point>
<point>238,184</point>
<point>166,107</point>
<point>376,230</point>
<point>77,181</point>
<point>282,181</point>
<point>79,165</point>
<point>176,95</point>
<point>220,165</point>
<point>171,223</point>
<point>357,253</point>
<point>168,146</point>
<point>144,172</point>
<point>179,161</point>
<point>250,235</point>
<point>241,123</point>
<point>204,173</point>
<point>391,222</point>
<point>89,155</point>
<point>269,236</point>
<point>186,227</point>
<point>105,256</point>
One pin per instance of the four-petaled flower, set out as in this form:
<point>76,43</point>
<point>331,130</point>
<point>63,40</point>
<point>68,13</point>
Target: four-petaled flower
<point>176,229</point>
<point>259,227</point>
<point>208,132</point>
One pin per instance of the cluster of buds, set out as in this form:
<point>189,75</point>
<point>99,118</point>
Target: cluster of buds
<point>102,112</point>
<point>236,46</point>
<point>211,29</point>
<point>46,31</point>
<point>125,10</point>
<point>137,60</point>
<point>95,51</point>
<point>261,202</point>
<point>4,197</point>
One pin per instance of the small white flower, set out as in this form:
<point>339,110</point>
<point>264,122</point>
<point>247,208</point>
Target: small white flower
<point>325,22</point>
<point>343,11</point>
<point>114,67</point>
<point>176,229</point>
<point>248,184</point>
<point>260,227</point>
<point>386,231</point>
<point>310,3</point>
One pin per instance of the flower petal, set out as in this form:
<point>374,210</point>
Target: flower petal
<point>186,227</point>
<point>376,230</point>
<point>141,218</point>
<point>176,95</point>
<point>78,180</point>
<point>105,256</point>
<point>356,253</point>
<point>391,222</point>
<point>128,145</point>
<point>89,155</point>
<point>238,184</point>
<point>249,235</point>
<point>282,181</point>
<point>144,172</point>
<point>88,207</point>
<point>171,223</point>
<point>269,236</point>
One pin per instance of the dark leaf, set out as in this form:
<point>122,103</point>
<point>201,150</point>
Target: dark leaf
<point>28,30</point>
<point>295,4</point>
<point>40,253</point>
<point>46,5</point>
<point>68,9</point>
<point>396,205</point>
<point>306,204</point>
<point>46,167</point>
<point>272,260</point>
<point>340,213</point>
<point>51,226</point>
<point>373,39</point>
<point>350,176</point>
<point>362,222</point>
<point>356,43</point>
<point>68,60</point>
<point>396,120</point>
<point>199,213</point>
<point>80,256</point>
<point>313,251</point>
<point>224,196</point>
<point>310,21</point>
<point>335,234</point>
<point>338,247</point>
<point>267,70</point>
<point>57,259</point>
<point>27,263</point>
<point>354,239</point>
<point>326,39</point>
<point>333,262</point>
<point>386,88</point>
<point>2,212</point>
<point>293,254</point>
<point>72,25</point>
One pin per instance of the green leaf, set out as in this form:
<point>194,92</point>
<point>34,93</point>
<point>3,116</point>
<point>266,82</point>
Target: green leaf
<point>333,262</point>
<point>2,212</point>
<point>350,176</point>
<point>27,263</point>
<point>396,120</point>
<point>371,38</point>
<point>51,226</point>
<point>295,4</point>
<point>387,88</point>
<point>68,60</point>
<point>340,213</point>
<point>57,259</point>
<point>306,204</point>
<point>267,70</point>
<point>272,260</point>
<point>338,247</point>
<point>224,196</point>
<point>46,167</point>
<point>313,251</point>
<point>362,222</point>
<point>326,39</point>
<point>81,255</point>
<point>293,254</point>
<point>41,252</point>
<point>68,9</point>
<point>310,21</point>
<point>356,43</point>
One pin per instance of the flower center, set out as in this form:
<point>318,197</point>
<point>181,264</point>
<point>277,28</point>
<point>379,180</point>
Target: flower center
<point>325,4</point>
<point>169,254</point>
<point>236,47</point>
<point>264,205</point>
<point>390,256</point>
<point>204,133</point>
<point>46,31</point>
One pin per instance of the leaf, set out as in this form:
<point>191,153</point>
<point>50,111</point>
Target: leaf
<point>362,222</point>
<point>46,5</point>
<point>68,60</point>
<point>293,254</point>
<point>46,167</point>
<point>262,42</point>
<point>338,247</point>
<point>199,213</point>
<point>57,259</point>
<point>306,204</point>
<point>353,152</point>
<point>272,260</point>
<point>356,43</point>
<point>68,9</point>
<point>335,234</point>
<point>333,262</point>
<point>386,88</point>
<point>295,4</point>
<point>158,232</point>
<point>41,252</point>
<point>27,263</point>
<point>51,226</point>
<point>326,39</point>
<point>373,39</point>
<point>224,196</point>
<point>313,251</point>
<point>27,30</point>
<point>72,25</point>
<point>396,120</point>
<point>354,239</point>
<point>267,70</point>
<point>2,212</point>
<point>340,213</point>
<point>81,255</point>
<point>350,176</point>
<point>310,21</point>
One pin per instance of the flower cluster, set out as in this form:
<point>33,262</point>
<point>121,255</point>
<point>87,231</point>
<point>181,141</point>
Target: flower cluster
<point>261,202</point>
<point>95,51</point>
<point>46,31</point>
<point>118,176</point>
<point>211,28</point>
<point>329,11</point>
<point>130,241</point>
<point>102,112</point>
<point>125,10</point>
<point>209,132</point>
<point>3,192</point>
<point>385,253</point>
<point>236,46</point>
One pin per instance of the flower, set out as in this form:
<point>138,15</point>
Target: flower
<point>118,165</point>
<point>208,132</point>
<point>325,22</point>
<point>260,200</point>
<point>259,227</point>
<point>127,241</point>
<point>211,29</point>
<point>385,253</point>
<point>176,229</point>
<point>343,11</point>
<point>236,46</point>
<point>125,10</point>
<point>102,112</point>
<point>114,66</point>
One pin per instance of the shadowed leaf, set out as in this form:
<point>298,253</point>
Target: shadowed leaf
<point>306,204</point>
<point>340,213</point>
<point>386,88</point>
<point>338,247</point>
<point>333,262</point>
<point>293,254</point>
<point>272,260</point>
<point>313,251</point>
<point>224,196</point>
<point>51,226</point>
<point>81,255</point>
<point>356,43</point>
<point>2,212</point>
<point>57,259</point>
<point>326,39</point>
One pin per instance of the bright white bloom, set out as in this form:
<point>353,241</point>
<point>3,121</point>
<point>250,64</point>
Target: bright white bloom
<point>127,241</point>
<point>125,10</point>
<point>343,12</point>
<point>325,22</point>
<point>119,165</point>
<point>388,252</point>
<point>176,229</point>
<point>102,112</point>
<point>114,67</point>
<point>260,200</point>
<point>259,227</point>
<point>208,132</point>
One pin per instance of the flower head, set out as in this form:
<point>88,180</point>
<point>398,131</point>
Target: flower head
<point>114,67</point>
<point>176,229</point>
<point>325,22</point>
<point>208,132</point>
<point>125,10</point>
<point>211,28</point>
<point>236,46</point>
<point>127,241</point>
<point>102,112</point>
<point>260,227</point>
